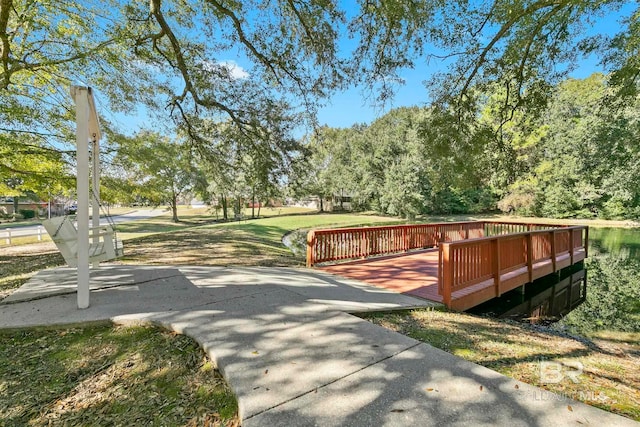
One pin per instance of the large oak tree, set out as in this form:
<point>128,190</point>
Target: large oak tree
<point>169,55</point>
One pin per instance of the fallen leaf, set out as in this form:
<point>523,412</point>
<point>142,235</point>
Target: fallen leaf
<point>266,371</point>
<point>429,389</point>
<point>397,410</point>
<point>517,386</point>
<point>570,408</point>
<point>255,352</point>
<point>480,388</point>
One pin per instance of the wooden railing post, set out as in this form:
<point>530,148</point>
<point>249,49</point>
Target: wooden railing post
<point>572,243</point>
<point>553,250</point>
<point>405,238</point>
<point>585,242</point>
<point>447,274</point>
<point>496,265</point>
<point>311,247</point>
<point>530,255</point>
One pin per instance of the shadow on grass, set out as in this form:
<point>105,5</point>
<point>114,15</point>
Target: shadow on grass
<point>113,374</point>
<point>163,224</point>
<point>232,244</point>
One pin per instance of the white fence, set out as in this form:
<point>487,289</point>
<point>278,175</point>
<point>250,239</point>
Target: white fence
<point>8,234</point>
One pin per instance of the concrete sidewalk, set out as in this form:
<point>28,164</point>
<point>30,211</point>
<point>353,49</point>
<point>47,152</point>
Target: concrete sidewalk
<point>284,341</point>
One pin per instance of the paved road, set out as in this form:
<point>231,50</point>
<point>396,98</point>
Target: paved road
<point>137,215</point>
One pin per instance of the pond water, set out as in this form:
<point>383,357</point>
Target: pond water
<point>603,293</point>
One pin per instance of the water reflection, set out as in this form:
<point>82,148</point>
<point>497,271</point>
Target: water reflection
<point>620,242</point>
<point>611,302</point>
<point>547,299</point>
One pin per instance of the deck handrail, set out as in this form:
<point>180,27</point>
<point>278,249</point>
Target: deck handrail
<point>508,227</point>
<point>336,244</point>
<point>467,263</point>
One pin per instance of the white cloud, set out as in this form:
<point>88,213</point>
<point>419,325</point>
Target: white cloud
<point>235,70</point>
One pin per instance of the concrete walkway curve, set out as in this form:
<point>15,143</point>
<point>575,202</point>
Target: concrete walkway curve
<point>292,354</point>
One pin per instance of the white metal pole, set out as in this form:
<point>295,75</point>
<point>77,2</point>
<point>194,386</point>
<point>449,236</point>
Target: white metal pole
<point>95,181</point>
<point>80,95</point>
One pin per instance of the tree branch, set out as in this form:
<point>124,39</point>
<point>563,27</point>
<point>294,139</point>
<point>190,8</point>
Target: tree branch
<point>506,27</point>
<point>237,24</point>
<point>5,48</point>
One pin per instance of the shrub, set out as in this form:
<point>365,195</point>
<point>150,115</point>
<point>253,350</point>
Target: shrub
<point>27,213</point>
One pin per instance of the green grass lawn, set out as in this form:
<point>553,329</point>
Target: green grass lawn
<point>250,242</point>
<point>106,375</point>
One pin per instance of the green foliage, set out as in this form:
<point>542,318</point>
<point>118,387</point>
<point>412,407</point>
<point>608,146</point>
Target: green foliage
<point>157,170</point>
<point>578,160</point>
<point>411,161</point>
<point>27,213</point>
<point>170,57</point>
<point>613,296</point>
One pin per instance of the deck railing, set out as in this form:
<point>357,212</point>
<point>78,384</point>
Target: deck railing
<point>507,260</point>
<point>495,228</point>
<point>360,242</point>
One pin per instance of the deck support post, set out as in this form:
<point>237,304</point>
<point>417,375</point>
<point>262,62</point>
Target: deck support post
<point>311,246</point>
<point>585,242</point>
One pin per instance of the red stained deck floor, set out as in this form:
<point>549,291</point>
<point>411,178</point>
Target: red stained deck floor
<point>414,274</point>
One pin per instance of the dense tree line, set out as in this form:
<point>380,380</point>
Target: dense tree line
<point>577,157</point>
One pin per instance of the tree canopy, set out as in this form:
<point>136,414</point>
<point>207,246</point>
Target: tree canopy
<point>172,58</point>
<point>170,54</point>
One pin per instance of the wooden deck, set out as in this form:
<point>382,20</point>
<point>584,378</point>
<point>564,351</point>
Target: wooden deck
<point>470,263</point>
<point>413,274</point>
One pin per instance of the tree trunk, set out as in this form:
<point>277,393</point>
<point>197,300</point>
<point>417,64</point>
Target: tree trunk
<point>259,206</point>
<point>253,204</point>
<point>225,213</point>
<point>321,205</point>
<point>15,207</point>
<point>174,207</point>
